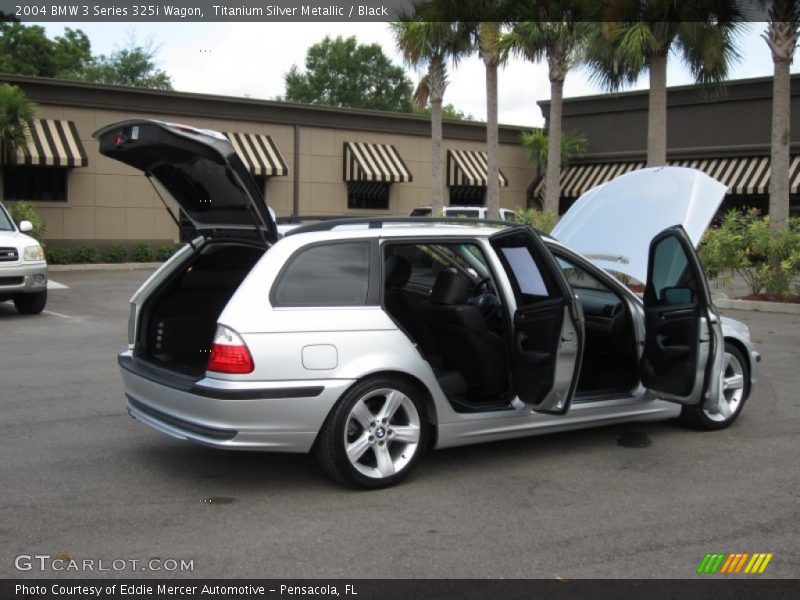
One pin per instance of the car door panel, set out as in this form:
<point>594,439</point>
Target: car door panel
<point>547,324</point>
<point>672,351</point>
<point>537,328</point>
<point>682,330</point>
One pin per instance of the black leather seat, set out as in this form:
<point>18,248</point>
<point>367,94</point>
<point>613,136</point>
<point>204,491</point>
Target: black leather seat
<point>464,340</point>
<point>396,273</point>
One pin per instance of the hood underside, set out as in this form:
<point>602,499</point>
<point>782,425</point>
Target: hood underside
<point>613,224</point>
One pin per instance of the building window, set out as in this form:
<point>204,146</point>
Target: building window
<point>35,183</point>
<point>368,195</point>
<point>468,195</point>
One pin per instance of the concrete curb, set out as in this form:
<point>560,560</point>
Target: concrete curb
<point>758,305</point>
<point>104,267</point>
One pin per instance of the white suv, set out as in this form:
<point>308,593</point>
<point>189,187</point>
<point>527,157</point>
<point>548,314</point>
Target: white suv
<point>23,270</point>
<point>367,341</point>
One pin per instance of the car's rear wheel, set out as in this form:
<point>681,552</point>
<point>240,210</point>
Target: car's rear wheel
<point>31,304</point>
<point>734,390</point>
<point>375,433</point>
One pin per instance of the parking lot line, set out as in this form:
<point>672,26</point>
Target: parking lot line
<point>50,312</point>
<point>54,285</point>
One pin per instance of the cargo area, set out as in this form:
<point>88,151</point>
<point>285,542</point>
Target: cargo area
<point>178,320</point>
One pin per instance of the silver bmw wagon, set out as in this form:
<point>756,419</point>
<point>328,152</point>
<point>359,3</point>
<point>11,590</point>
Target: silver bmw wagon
<point>369,341</point>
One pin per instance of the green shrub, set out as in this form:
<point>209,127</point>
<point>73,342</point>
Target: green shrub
<point>85,254</point>
<point>164,252</point>
<point>57,256</point>
<point>23,210</point>
<point>115,253</point>
<point>142,253</point>
<point>543,220</point>
<point>745,244</point>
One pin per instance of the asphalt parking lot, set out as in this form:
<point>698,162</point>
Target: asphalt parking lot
<point>80,479</point>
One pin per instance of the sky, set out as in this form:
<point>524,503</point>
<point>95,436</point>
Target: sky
<point>250,59</point>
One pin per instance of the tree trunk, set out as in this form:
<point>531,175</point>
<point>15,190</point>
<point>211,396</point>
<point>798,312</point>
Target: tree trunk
<point>779,160</point>
<point>437,85</point>
<point>657,112</point>
<point>492,146</point>
<point>552,182</point>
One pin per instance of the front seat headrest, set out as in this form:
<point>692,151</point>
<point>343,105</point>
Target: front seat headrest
<point>396,272</point>
<point>449,288</point>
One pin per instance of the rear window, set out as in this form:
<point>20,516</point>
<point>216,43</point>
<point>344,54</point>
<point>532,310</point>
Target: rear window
<point>325,275</point>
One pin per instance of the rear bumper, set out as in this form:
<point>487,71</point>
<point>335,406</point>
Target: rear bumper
<point>23,278</point>
<point>280,416</point>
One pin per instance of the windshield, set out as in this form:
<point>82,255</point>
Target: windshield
<point>5,220</point>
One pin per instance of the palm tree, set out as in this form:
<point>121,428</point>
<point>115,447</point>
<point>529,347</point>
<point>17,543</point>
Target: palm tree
<point>562,44</point>
<point>487,42</point>
<point>537,144</point>
<point>16,111</point>
<point>781,36</point>
<point>702,32</point>
<point>432,44</point>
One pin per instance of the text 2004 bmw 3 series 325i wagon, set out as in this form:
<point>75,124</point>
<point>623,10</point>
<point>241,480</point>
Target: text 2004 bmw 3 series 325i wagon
<point>369,343</point>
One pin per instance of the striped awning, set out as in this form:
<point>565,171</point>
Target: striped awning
<point>374,162</point>
<point>743,175</point>
<point>259,154</point>
<point>52,143</point>
<point>575,180</point>
<point>468,168</point>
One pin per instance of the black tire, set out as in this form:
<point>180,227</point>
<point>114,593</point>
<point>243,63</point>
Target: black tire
<point>31,304</point>
<point>341,426</point>
<point>696,418</point>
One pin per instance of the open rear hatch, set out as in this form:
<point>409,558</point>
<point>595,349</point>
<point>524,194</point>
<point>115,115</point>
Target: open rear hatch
<point>200,169</point>
<point>175,318</point>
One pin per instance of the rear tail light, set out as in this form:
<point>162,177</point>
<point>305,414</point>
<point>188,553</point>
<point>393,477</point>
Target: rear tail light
<point>229,353</point>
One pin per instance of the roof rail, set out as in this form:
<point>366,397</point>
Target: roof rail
<point>301,218</point>
<point>379,222</point>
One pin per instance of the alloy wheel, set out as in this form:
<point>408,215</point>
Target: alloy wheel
<point>382,433</point>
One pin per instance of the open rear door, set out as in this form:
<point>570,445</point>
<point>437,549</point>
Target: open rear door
<point>548,331</point>
<point>683,351</point>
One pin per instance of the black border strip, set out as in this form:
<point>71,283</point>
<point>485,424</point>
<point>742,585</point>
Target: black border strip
<point>183,384</point>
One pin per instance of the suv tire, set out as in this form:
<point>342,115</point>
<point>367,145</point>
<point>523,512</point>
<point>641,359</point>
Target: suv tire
<point>31,304</point>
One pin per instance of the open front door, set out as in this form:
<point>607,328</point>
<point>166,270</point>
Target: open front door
<point>547,338</point>
<point>683,349</point>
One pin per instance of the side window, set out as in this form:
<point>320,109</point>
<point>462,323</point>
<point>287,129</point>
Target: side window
<point>578,277</point>
<point>526,271</point>
<point>670,271</point>
<point>525,268</point>
<point>325,275</point>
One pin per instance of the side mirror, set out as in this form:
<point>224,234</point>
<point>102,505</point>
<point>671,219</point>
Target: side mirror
<point>677,295</point>
<point>25,226</point>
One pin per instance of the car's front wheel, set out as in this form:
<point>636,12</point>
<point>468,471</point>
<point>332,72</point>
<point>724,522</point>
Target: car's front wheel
<point>375,433</point>
<point>31,304</point>
<point>734,390</point>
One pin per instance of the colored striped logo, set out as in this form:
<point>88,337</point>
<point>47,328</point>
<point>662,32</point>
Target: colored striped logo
<point>734,563</point>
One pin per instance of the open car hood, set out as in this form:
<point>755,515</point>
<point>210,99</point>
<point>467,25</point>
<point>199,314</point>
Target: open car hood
<point>613,224</point>
<point>199,168</point>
